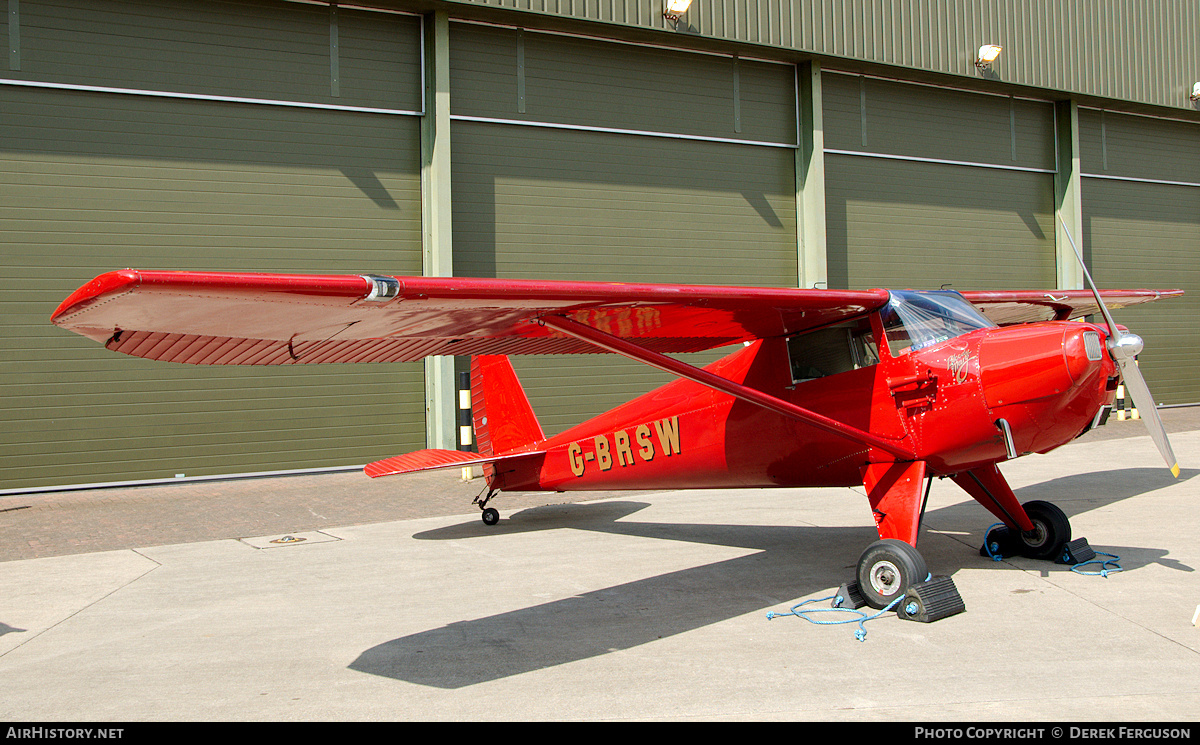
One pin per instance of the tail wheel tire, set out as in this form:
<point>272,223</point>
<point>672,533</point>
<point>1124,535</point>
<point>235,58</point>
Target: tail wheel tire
<point>490,516</point>
<point>886,570</point>
<point>1051,531</point>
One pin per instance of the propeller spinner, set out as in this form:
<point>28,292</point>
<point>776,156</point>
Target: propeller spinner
<point>1123,348</point>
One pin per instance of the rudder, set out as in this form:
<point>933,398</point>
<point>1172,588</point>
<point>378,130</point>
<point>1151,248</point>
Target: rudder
<point>503,418</point>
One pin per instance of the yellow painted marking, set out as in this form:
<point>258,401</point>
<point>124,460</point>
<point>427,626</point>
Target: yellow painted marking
<point>603,457</point>
<point>668,434</point>
<point>602,453</point>
<point>574,455</point>
<point>642,434</point>
<point>624,452</point>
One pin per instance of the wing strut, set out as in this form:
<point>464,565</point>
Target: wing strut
<point>716,382</point>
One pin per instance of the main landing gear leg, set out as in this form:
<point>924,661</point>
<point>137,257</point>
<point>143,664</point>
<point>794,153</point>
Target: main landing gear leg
<point>891,565</point>
<point>1037,529</point>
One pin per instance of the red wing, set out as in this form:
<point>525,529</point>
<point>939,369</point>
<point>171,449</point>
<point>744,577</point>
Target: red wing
<point>268,319</point>
<point>1024,306</point>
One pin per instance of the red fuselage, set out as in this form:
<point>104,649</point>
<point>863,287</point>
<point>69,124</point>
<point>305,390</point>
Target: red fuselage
<point>941,402</point>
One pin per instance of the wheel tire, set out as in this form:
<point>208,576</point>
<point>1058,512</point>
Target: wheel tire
<point>490,516</point>
<point>1051,531</point>
<point>886,570</point>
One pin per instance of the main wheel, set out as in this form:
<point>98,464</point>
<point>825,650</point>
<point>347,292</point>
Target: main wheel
<point>1051,531</point>
<point>887,569</point>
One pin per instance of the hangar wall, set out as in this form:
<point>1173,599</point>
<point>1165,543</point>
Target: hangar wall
<point>616,162</point>
<point>211,136</point>
<point>1141,223</point>
<point>300,136</point>
<point>1121,50</point>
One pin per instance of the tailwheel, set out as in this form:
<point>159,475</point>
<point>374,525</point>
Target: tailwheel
<point>489,514</point>
<point>1051,531</point>
<point>887,569</point>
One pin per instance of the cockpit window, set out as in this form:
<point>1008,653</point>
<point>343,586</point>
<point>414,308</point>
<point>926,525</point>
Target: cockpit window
<point>915,320</point>
<point>829,351</point>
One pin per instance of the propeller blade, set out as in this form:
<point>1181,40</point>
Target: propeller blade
<point>1140,393</point>
<point>1113,332</point>
<point>1123,348</point>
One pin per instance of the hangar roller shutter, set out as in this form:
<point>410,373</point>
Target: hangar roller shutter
<point>928,187</point>
<point>1141,221</point>
<point>568,164</point>
<point>92,181</point>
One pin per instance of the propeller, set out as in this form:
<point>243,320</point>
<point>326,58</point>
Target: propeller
<point>1123,347</point>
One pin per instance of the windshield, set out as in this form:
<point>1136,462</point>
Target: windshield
<point>914,320</point>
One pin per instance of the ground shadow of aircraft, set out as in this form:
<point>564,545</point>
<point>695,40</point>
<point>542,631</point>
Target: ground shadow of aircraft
<point>1088,491</point>
<point>789,562</point>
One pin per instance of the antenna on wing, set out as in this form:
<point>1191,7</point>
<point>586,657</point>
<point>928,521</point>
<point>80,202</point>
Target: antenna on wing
<point>1123,348</point>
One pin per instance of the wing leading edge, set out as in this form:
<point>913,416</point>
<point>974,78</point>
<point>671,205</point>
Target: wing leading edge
<point>213,318</point>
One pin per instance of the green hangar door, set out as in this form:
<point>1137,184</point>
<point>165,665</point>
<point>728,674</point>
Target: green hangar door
<point>238,136</point>
<point>578,159</point>
<point>1141,228</point>
<point>928,187</point>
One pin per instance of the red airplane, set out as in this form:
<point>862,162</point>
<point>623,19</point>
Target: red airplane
<point>825,388</point>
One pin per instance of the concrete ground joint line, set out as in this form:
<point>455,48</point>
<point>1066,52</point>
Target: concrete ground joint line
<point>1143,627</point>
<point>92,604</point>
<point>1037,573</point>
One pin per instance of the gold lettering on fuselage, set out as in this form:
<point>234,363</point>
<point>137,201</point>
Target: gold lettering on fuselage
<point>575,455</point>
<point>642,433</point>
<point>668,434</point>
<point>621,451</point>
<point>603,458</point>
<point>624,452</point>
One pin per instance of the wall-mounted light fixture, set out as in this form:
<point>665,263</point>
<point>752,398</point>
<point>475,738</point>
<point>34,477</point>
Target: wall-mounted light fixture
<point>987,55</point>
<point>676,8</point>
<point>1196,92</point>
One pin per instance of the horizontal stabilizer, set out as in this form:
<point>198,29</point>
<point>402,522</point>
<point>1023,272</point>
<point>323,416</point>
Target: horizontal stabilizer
<point>429,460</point>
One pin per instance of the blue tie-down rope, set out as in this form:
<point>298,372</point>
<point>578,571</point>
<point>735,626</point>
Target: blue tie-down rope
<point>1106,565</point>
<point>860,634</point>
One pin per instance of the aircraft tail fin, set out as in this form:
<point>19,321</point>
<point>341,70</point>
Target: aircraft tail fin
<point>505,426</point>
<point>504,420</point>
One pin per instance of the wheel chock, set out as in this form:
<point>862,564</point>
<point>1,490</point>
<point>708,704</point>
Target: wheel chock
<point>999,543</point>
<point>931,600</point>
<point>1076,552</point>
<point>848,596</point>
